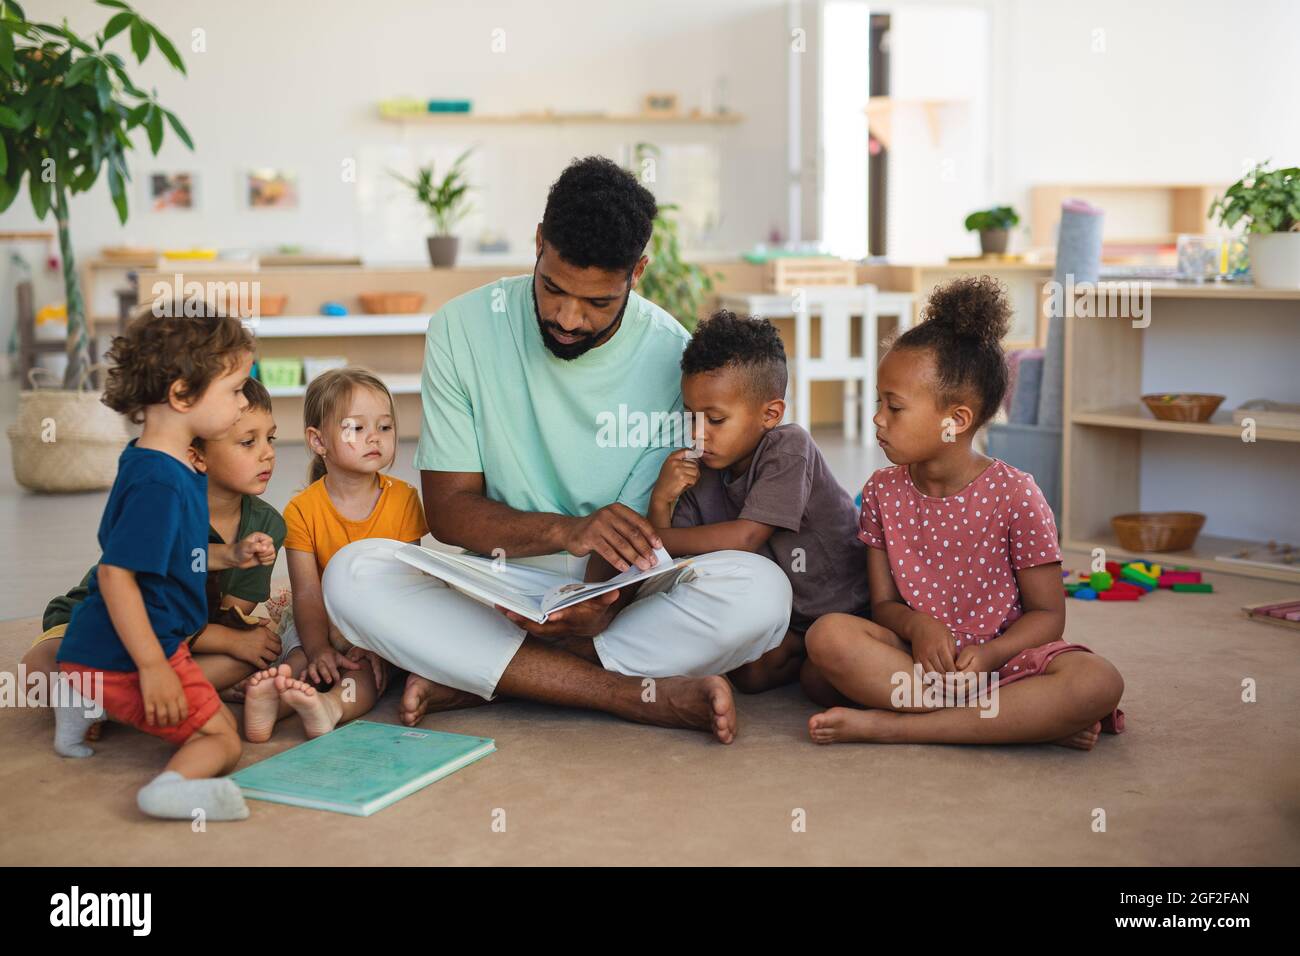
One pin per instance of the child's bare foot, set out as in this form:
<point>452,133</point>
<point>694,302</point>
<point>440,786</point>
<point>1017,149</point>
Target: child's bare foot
<point>320,713</point>
<point>848,724</point>
<point>94,730</point>
<point>1085,739</point>
<point>262,703</point>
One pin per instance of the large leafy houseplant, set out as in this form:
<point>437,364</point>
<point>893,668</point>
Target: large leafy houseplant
<point>676,286</point>
<point>68,108</point>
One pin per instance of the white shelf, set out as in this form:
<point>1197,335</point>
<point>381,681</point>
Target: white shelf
<point>320,326</point>
<point>399,383</point>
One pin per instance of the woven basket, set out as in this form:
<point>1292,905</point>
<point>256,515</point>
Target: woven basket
<point>391,303</point>
<point>65,440</point>
<point>1158,530</point>
<point>1186,407</point>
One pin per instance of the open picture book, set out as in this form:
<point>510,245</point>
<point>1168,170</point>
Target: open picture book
<point>530,592</point>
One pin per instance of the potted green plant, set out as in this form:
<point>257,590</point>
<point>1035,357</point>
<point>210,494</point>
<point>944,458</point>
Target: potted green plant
<point>68,111</point>
<point>447,202</point>
<point>676,286</point>
<point>1268,202</point>
<point>994,226</point>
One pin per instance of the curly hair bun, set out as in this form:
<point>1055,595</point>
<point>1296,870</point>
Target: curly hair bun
<point>974,308</point>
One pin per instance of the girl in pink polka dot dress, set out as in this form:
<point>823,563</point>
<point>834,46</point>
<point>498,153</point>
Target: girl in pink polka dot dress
<point>963,564</point>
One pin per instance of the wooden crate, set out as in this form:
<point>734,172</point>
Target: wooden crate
<point>786,275</point>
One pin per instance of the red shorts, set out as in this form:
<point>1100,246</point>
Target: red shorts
<point>1034,660</point>
<point>123,702</point>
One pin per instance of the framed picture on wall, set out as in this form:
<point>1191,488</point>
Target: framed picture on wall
<point>271,189</point>
<point>172,191</point>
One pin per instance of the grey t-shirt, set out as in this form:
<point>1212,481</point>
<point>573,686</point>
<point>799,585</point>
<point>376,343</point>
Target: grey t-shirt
<point>788,485</point>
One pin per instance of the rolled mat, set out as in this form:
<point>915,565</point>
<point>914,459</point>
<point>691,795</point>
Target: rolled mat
<point>1078,257</point>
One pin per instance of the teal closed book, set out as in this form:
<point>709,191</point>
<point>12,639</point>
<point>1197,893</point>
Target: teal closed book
<point>361,767</point>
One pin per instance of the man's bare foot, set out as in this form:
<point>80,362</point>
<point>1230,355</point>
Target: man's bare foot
<point>262,703</point>
<point>422,696</point>
<point>320,713</point>
<point>1085,739</point>
<point>697,703</point>
<point>849,724</point>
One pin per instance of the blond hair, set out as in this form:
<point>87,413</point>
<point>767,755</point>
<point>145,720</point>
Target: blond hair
<point>326,400</point>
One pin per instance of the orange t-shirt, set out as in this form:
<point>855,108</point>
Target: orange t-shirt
<point>312,523</point>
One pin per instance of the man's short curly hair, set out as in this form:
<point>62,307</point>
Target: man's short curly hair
<point>750,345</point>
<point>597,214</point>
<point>154,352</point>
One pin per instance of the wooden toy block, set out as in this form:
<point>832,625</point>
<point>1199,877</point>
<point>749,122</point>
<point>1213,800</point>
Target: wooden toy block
<point>1100,581</point>
<point>1086,594</point>
<point>1114,568</point>
<point>1170,578</point>
<point>1195,588</point>
<point>1128,586</point>
<point>1138,576</point>
<point>1119,595</point>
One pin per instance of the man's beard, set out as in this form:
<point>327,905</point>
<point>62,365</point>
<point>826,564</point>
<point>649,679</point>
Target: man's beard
<point>585,344</point>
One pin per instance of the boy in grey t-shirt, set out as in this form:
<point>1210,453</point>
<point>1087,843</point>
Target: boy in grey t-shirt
<point>758,485</point>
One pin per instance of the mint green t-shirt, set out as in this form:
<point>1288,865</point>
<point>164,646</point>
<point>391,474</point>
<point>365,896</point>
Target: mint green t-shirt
<point>549,435</point>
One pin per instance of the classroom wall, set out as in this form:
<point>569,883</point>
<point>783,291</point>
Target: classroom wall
<point>295,83</point>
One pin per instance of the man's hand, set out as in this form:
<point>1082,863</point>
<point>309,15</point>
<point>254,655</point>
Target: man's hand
<point>257,548</point>
<point>677,474</point>
<point>587,619</point>
<point>618,534</point>
<point>933,647</point>
<point>164,697</point>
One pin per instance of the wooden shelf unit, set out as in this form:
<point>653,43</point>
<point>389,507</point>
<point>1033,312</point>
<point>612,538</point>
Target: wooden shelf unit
<point>391,345</point>
<point>1183,208</point>
<point>590,119</point>
<point>1104,429</point>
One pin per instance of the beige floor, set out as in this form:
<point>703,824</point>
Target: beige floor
<point>1199,778</point>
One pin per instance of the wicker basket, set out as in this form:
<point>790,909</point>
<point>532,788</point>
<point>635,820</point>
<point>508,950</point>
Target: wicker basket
<point>1158,530</point>
<point>391,303</point>
<point>1184,407</point>
<point>65,440</point>
<point>272,304</point>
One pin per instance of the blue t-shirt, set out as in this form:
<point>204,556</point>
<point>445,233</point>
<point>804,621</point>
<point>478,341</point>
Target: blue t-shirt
<point>155,524</point>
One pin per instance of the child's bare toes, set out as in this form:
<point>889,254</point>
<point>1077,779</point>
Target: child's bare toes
<point>1085,739</point>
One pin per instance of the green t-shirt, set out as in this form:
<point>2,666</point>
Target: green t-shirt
<point>248,584</point>
<point>550,435</point>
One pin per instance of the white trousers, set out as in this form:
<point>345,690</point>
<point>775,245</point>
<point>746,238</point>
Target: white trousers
<point>724,610</point>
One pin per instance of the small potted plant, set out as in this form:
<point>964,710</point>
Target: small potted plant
<point>994,226</point>
<point>1268,201</point>
<point>447,202</point>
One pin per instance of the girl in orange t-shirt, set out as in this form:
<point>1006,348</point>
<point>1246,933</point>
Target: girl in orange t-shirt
<point>351,431</point>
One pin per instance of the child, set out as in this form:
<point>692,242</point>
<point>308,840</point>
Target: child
<point>351,433</point>
<point>764,487</point>
<point>963,562</point>
<point>238,466</point>
<point>126,644</point>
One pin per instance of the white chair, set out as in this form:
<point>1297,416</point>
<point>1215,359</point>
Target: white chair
<point>838,306</point>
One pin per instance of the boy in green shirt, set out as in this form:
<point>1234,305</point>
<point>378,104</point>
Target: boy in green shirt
<point>238,467</point>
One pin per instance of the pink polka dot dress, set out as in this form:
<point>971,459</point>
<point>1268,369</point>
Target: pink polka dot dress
<point>956,558</point>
